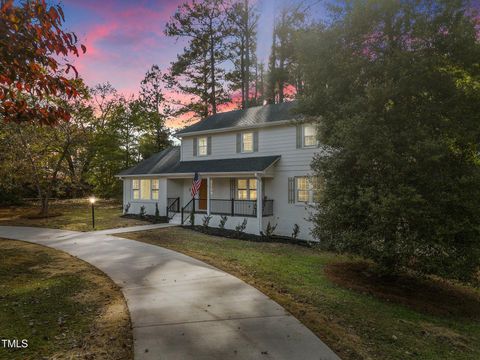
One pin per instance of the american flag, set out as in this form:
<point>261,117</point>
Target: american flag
<point>196,184</point>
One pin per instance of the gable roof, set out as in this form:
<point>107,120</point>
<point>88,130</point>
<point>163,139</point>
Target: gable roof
<point>254,116</point>
<point>156,164</point>
<point>168,162</point>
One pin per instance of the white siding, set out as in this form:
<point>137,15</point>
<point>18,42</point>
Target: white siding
<point>275,140</point>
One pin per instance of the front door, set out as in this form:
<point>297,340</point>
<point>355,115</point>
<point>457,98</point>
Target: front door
<point>202,195</point>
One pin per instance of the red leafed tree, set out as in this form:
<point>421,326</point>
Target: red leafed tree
<point>34,69</point>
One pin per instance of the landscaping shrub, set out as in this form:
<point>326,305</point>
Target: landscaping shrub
<point>269,230</point>
<point>223,221</point>
<point>142,212</point>
<point>206,221</point>
<point>296,230</point>
<point>240,228</point>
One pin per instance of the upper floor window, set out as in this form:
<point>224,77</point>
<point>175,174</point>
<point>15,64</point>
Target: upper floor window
<point>305,188</point>
<point>246,189</point>
<point>202,146</point>
<point>309,135</point>
<point>247,142</point>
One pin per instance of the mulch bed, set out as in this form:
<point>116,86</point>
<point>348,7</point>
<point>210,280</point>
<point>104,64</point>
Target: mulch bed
<point>427,295</point>
<point>150,218</point>
<point>232,234</point>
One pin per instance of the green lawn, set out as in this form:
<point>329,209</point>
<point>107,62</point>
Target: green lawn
<point>72,215</point>
<point>356,324</point>
<point>65,308</point>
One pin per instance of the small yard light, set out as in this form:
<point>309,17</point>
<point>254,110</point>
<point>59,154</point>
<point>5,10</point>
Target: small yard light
<point>92,201</point>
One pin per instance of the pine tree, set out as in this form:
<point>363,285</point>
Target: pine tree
<point>243,19</point>
<point>152,109</point>
<point>199,71</point>
<point>282,62</point>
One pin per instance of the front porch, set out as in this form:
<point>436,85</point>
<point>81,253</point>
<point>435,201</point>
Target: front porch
<point>228,207</point>
<point>234,197</point>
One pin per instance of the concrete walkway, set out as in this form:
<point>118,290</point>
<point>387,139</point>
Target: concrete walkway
<point>182,308</point>
<point>131,229</point>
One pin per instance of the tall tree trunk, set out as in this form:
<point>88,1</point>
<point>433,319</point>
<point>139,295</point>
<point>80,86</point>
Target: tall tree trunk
<point>212,65</point>
<point>272,69</point>
<point>247,56</point>
<point>242,70</point>
<point>44,204</point>
<point>256,82</point>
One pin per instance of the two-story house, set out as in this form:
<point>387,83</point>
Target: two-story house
<point>254,164</point>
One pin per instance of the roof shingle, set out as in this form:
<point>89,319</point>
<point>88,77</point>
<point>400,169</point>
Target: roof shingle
<point>168,162</point>
<point>257,115</point>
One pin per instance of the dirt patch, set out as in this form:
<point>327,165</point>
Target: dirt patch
<point>428,295</point>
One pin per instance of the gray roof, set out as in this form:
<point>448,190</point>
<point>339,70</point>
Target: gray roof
<point>156,164</point>
<point>257,115</point>
<point>168,162</point>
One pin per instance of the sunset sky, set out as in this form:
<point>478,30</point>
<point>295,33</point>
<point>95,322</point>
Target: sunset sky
<point>124,38</point>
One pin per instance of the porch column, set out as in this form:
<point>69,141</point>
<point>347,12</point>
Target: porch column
<point>208,195</point>
<point>259,204</point>
<point>162,196</point>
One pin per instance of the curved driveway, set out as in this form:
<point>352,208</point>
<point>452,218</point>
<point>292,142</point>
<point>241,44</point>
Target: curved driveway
<point>182,308</point>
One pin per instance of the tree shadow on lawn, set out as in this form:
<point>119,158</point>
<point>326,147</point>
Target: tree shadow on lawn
<point>428,295</point>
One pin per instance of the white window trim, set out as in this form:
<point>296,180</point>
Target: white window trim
<point>135,189</point>
<point>242,148</point>
<point>152,189</point>
<point>303,137</point>
<point>311,191</point>
<point>248,189</point>
<point>139,189</point>
<point>206,146</point>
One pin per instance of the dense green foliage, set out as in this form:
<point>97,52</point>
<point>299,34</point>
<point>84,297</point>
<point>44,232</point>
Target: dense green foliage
<point>107,133</point>
<point>355,324</point>
<point>397,88</point>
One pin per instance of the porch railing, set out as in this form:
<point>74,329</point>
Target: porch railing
<point>230,207</point>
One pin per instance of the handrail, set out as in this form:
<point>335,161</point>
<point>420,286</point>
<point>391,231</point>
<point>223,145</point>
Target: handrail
<point>171,208</point>
<point>183,210</point>
<point>231,207</point>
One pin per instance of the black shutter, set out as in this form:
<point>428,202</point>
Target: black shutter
<point>209,145</point>
<point>291,190</point>
<point>232,188</point>
<point>195,146</point>
<point>255,141</point>
<point>299,137</point>
<point>239,143</point>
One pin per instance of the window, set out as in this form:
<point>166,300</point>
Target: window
<point>246,189</point>
<point>145,189</point>
<point>309,136</point>
<point>202,146</point>
<point>305,189</point>
<point>247,142</point>
<point>155,184</point>
<point>136,189</point>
